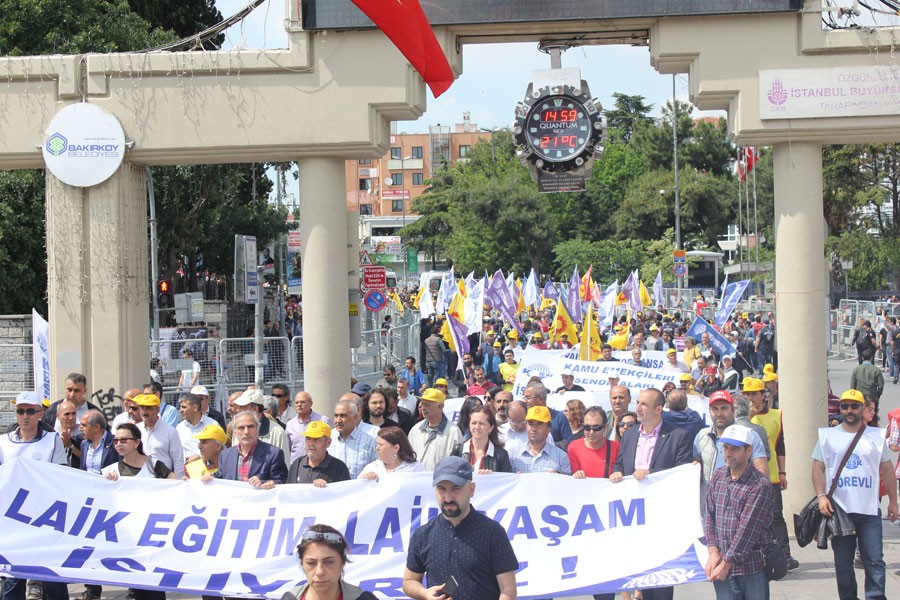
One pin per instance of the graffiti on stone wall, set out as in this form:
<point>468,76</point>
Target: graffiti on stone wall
<point>109,403</point>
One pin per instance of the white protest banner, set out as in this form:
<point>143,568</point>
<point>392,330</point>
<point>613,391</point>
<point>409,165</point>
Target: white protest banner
<point>654,359</point>
<point>227,538</point>
<point>40,354</point>
<point>592,376</point>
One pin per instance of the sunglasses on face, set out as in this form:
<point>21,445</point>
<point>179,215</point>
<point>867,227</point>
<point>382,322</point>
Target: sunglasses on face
<point>26,411</point>
<point>594,427</point>
<point>627,424</point>
<point>851,406</point>
<point>122,440</point>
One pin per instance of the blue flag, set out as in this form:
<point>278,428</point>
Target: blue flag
<point>730,297</point>
<point>718,341</point>
<point>550,291</point>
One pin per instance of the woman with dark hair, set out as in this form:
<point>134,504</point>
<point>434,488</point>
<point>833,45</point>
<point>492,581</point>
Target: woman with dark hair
<point>395,454</point>
<point>464,411</point>
<point>323,554</point>
<point>625,422</point>
<point>133,461</point>
<point>483,449</point>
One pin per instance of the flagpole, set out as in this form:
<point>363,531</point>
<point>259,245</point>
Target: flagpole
<point>747,198</point>
<point>740,212</point>
<point>755,216</point>
<point>679,281</point>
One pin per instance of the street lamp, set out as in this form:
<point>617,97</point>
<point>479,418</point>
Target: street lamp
<point>678,280</point>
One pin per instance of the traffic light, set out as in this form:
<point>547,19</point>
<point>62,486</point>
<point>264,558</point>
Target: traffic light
<point>164,293</point>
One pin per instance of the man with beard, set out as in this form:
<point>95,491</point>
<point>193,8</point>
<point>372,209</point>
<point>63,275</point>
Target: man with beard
<point>460,543</point>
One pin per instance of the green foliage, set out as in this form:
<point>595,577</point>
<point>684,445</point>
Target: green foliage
<point>867,254</point>
<point>23,253</point>
<point>629,113</point>
<point>611,259</point>
<point>201,206</point>
<point>32,27</point>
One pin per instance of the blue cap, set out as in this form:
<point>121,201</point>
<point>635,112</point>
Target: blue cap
<point>454,469</point>
<point>361,389</point>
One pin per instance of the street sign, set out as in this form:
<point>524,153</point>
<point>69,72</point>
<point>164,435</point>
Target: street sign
<point>680,270</point>
<point>364,260</point>
<point>680,256</point>
<point>374,278</point>
<point>375,301</point>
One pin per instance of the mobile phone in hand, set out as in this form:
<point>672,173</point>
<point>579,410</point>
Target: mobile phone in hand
<point>450,586</point>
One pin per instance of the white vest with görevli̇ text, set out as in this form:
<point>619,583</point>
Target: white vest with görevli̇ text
<point>857,488</point>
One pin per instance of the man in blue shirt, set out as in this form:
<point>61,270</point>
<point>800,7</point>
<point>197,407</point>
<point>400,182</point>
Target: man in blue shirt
<point>415,377</point>
<point>461,543</point>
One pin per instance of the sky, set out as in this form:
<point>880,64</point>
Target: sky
<point>494,76</point>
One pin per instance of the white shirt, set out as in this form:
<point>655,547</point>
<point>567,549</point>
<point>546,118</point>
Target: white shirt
<point>377,467</point>
<point>186,433</point>
<point>163,444</point>
<point>409,403</point>
<point>369,429</point>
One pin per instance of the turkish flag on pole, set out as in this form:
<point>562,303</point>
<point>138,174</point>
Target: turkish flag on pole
<point>750,158</point>
<point>405,24</point>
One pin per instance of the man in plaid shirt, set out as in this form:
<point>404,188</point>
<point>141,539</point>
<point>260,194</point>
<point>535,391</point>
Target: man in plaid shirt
<point>738,526</point>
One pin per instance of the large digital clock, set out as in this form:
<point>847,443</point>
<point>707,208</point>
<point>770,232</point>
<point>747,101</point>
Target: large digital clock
<point>558,128</point>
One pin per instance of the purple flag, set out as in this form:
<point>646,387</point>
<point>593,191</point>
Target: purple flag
<point>550,291</point>
<point>498,293</point>
<point>573,301</point>
<point>460,339</point>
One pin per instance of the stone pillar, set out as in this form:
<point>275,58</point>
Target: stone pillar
<point>800,310</point>
<point>98,281</point>
<point>326,329</point>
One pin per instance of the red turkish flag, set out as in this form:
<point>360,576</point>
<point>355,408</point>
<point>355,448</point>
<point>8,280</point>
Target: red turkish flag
<point>405,24</point>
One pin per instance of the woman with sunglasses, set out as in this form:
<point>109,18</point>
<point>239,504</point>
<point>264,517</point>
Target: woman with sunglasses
<point>323,555</point>
<point>626,422</point>
<point>133,462</point>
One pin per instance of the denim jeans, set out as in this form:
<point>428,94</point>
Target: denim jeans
<point>743,587</point>
<point>435,371</point>
<point>869,537</point>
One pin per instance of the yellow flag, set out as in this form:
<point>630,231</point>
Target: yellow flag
<point>457,307</point>
<point>547,303</point>
<point>620,340</point>
<point>645,297</point>
<point>447,336</point>
<point>562,324</point>
<point>591,347</point>
<point>398,302</point>
<point>521,306</point>
<point>620,299</point>
<point>461,286</point>
<point>419,297</point>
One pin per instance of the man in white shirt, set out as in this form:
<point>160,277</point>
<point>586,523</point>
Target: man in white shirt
<point>435,437</point>
<point>161,441</point>
<point>193,422</point>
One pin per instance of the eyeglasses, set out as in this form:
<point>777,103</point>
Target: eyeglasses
<point>122,440</point>
<point>27,411</point>
<point>850,405</point>
<point>316,536</point>
<point>594,427</point>
<point>627,424</point>
<point>279,395</point>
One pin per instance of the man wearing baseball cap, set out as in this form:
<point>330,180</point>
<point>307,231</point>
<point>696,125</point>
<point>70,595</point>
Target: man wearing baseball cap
<point>460,543</point>
<point>771,420</point>
<point>317,466</point>
<point>435,436</point>
<point>708,442</point>
<point>538,455</point>
<point>568,380</point>
<point>29,440</point>
<point>211,443</point>
<point>161,441</point>
<point>857,495</point>
<point>739,508</point>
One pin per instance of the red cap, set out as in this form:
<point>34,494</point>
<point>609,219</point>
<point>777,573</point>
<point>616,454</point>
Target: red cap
<point>721,396</point>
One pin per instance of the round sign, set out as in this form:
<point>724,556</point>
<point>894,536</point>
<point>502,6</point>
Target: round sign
<point>83,145</point>
<point>362,287</point>
<point>375,301</point>
<point>680,270</point>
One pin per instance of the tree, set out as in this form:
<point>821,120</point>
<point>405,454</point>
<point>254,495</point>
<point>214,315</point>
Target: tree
<point>629,113</point>
<point>611,259</point>
<point>32,27</point>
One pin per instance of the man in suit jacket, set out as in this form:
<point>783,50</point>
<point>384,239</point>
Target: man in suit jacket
<point>267,465</point>
<point>97,449</point>
<point>654,446</point>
